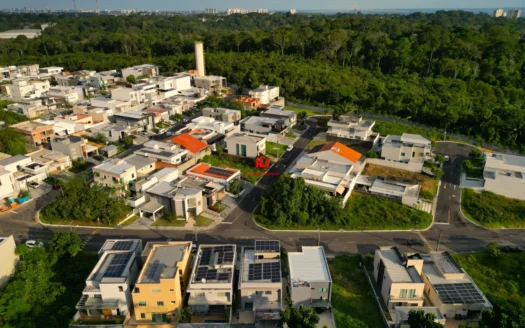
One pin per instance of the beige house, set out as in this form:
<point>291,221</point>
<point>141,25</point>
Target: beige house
<point>8,259</point>
<point>246,145</point>
<point>212,84</point>
<point>160,287</point>
<point>222,114</point>
<point>115,173</point>
<point>399,278</point>
<point>406,148</point>
<point>505,175</point>
<point>55,160</point>
<point>351,127</point>
<point>260,282</point>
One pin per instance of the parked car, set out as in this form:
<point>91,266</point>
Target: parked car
<point>33,184</point>
<point>99,158</point>
<point>510,249</point>
<point>185,120</point>
<point>34,243</point>
<point>169,134</point>
<point>289,148</point>
<point>414,242</point>
<point>447,158</point>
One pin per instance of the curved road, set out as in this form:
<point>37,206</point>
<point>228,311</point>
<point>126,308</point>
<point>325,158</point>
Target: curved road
<point>239,228</point>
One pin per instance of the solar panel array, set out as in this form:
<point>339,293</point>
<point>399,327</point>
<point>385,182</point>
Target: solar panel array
<point>122,246</point>
<point>225,258</point>
<point>212,275</point>
<point>265,271</point>
<point>225,255</point>
<point>218,171</point>
<point>267,246</point>
<point>461,293</point>
<point>117,265</point>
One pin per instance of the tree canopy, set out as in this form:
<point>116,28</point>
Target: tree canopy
<point>299,317</point>
<point>420,319</point>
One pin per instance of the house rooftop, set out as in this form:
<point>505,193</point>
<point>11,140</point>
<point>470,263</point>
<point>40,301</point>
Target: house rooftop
<point>399,273</point>
<point>134,114</point>
<point>189,142</point>
<point>139,161</point>
<point>114,166</point>
<point>162,262</point>
<point>403,312</point>
<point>245,138</point>
<point>112,267</point>
<point>214,264</point>
<point>309,265</point>
<point>12,160</point>
<point>338,148</point>
<point>280,111</point>
<point>123,245</point>
<point>206,170</point>
<point>31,125</point>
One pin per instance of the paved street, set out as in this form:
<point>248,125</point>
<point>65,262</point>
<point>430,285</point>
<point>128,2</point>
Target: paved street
<point>458,236</point>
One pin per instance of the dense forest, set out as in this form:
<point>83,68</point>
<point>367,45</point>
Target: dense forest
<point>452,70</point>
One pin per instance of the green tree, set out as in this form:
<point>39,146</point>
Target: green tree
<point>12,142</point>
<point>493,250</point>
<point>176,117</point>
<point>299,317</point>
<point>371,154</point>
<point>420,319</point>
<point>302,116</point>
<point>62,243</point>
<point>185,315</point>
<point>476,154</point>
<point>440,158</point>
<point>131,79</point>
<point>127,141</point>
<point>467,165</point>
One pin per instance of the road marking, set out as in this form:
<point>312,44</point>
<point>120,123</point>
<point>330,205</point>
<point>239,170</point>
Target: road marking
<point>14,212</point>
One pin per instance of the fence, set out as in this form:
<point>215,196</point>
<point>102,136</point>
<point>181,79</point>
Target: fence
<point>376,297</point>
<point>415,124</point>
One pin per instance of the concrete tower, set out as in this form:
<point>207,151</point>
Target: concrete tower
<point>199,58</point>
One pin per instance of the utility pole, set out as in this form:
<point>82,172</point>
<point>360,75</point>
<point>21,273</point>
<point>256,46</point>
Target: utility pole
<point>318,236</point>
<point>439,239</point>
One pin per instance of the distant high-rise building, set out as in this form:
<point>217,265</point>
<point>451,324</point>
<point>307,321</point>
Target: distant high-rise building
<point>499,12</point>
<point>293,11</point>
<point>514,13</point>
<point>243,11</point>
<point>212,11</point>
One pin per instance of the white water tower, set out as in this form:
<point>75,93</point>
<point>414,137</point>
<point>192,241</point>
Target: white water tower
<point>199,58</point>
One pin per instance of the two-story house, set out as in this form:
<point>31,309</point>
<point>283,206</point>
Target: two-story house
<point>222,114</point>
<point>267,94</point>
<point>246,145</point>
<point>351,127</point>
<point>505,175</point>
<point>406,148</point>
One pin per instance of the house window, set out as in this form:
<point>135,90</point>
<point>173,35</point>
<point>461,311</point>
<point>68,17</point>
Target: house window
<point>403,293</point>
<point>403,154</point>
<point>237,152</point>
<point>268,292</point>
<point>133,175</point>
<point>160,303</point>
<point>155,291</point>
<point>142,303</point>
<point>143,315</point>
<point>421,154</point>
<point>137,290</point>
<point>323,290</point>
<point>120,289</point>
<point>411,293</point>
<point>243,150</point>
<point>172,290</point>
<point>259,292</point>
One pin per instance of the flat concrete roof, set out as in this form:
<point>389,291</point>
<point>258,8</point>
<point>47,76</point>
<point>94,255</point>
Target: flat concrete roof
<point>310,265</point>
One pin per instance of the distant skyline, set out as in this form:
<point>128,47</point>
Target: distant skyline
<point>198,5</point>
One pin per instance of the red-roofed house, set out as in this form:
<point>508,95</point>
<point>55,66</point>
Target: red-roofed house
<point>160,114</point>
<point>223,175</point>
<point>193,145</point>
<point>332,167</point>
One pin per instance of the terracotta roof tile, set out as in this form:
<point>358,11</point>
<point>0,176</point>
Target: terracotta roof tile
<point>189,142</point>
<point>342,151</point>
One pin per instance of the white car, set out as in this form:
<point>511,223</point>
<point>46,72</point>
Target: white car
<point>447,158</point>
<point>162,131</point>
<point>289,148</point>
<point>34,243</point>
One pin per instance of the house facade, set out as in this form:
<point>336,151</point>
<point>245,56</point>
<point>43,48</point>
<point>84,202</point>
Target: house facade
<point>246,145</point>
<point>406,148</point>
<point>505,175</point>
<point>8,257</point>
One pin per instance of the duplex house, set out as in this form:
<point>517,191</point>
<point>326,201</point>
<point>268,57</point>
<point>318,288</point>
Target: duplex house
<point>140,70</point>
<point>449,288</point>
<point>332,167</point>
<point>8,258</point>
<point>399,278</point>
<point>66,94</point>
<point>246,145</point>
<point>211,124</point>
<point>406,148</point>
<point>8,184</point>
<point>164,152</point>
<point>54,160</point>
<point>310,280</point>
<point>278,112</point>
<point>74,147</point>
<point>351,127</point>
<point>105,78</point>
<point>140,121</point>
<point>26,89</point>
<point>33,107</point>
<point>267,94</point>
<point>211,283</point>
<point>222,114</point>
<point>169,86</point>
<point>160,287</point>
<point>183,202</point>
<point>24,171</point>
<point>111,132</point>
<point>126,94</point>
<point>260,282</point>
<point>505,175</point>
<point>107,294</point>
<point>115,173</point>
<point>37,134</point>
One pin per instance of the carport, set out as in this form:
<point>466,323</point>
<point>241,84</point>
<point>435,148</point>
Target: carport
<point>150,210</point>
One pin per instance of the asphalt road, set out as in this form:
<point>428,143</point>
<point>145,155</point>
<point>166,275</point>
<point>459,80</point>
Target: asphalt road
<point>458,236</point>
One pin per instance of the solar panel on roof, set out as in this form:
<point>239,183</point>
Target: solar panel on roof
<point>224,276</point>
<point>122,245</point>
<point>211,275</point>
<point>460,293</point>
<point>218,171</point>
<point>267,246</point>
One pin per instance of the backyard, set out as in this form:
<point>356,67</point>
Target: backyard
<point>314,143</point>
<point>275,149</point>
<point>352,300</point>
<point>248,172</point>
<point>491,210</point>
<point>428,184</point>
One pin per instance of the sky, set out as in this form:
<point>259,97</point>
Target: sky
<point>182,5</point>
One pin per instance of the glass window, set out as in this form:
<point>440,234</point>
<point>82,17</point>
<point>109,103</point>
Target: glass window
<point>403,293</point>
<point>142,303</point>
<point>172,290</point>
<point>411,293</point>
<point>155,291</point>
<point>143,315</point>
<point>120,289</point>
<point>403,154</point>
<point>160,303</point>
<point>268,292</point>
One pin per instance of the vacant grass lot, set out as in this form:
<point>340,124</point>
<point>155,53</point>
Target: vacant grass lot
<point>491,210</point>
<point>497,277</point>
<point>248,172</point>
<point>314,143</point>
<point>428,184</point>
<point>385,128</point>
<point>352,300</point>
<point>203,221</point>
<point>367,212</point>
<point>298,110</point>
<point>275,149</point>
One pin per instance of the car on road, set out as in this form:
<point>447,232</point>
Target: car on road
<point>289,148</point>
<point>169,134</point>
<point>414,242</point>
<point>194,248</point>
<point>162,131</point>
<point>447,158</point>
<point>99,158</point>
<point>510,249</point>
<point>33,243</point>
<point>185,120</point>
<point>33,184</point>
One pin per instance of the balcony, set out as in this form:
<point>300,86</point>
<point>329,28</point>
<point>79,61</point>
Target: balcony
<point>406,299</point>
<point>264,305</point>
<point>87,302</point>
<point>91,289</point>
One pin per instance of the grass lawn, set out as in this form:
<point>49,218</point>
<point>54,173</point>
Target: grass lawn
<point>281,149</point>
<point>169,222</point>
<point>314,143</point>
<point>428,184</point>
<point>491,210</point>
<point>74,223</point>
<point>203,221</point>
<point>368,212</point>
<point>385,128</point>
<point>298,110</point>
<point>496,276</point>
<point>475,173</point>
<point>352,300</point>
<point>218,207</point>
<point>248,172</point>
<point>129,221</point>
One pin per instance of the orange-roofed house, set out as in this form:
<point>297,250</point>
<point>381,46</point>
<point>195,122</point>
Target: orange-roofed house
<point>160,114</point>
<point>249,102</point>
<point>198,148</point>
<point>331,167</point>
<point>222,175</point>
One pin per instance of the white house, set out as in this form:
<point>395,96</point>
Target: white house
<point>164,152</point>
<point>267,94</point>
<point>505,175</point>
<point>406,148</point>
<point>246,145</point>
<point>139,70</point>
<point>351,127</point>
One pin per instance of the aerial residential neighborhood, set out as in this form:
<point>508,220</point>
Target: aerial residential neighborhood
<point>256,168</point>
